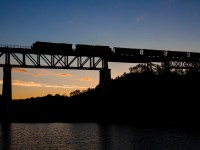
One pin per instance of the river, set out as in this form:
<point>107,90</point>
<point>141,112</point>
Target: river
<point>93,136</point>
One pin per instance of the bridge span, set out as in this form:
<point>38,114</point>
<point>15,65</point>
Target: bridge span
<point>85,57</point>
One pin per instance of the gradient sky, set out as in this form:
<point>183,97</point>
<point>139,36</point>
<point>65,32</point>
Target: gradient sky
<point>152,24</point>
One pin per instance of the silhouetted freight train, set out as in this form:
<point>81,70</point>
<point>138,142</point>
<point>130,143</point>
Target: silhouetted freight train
<point>106,51</point>
<point>51,48</point>
<point>149,53</point>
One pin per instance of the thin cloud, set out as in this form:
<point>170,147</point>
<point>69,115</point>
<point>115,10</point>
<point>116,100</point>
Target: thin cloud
<point>86,79</point>
<point>70,22</point>
<point>42,85</point>
<point>139,19</point>
<point>65,86</point>
<point>43,72</point>
<point>63,75</point>
<point>26,84</point>
<point>37,74</point>
<point>20,70</point>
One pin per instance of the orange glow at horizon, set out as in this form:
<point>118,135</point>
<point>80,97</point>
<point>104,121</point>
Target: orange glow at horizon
<point>28,89</point>
<point>24,92</point>
<point>35,82</point>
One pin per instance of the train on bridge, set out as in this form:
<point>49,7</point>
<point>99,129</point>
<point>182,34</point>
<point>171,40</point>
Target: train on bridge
<point>50,48</point>
<point>63,48</point>
<point>102,51</point>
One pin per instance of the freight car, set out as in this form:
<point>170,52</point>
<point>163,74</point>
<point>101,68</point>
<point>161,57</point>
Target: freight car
<point>153,53</point>
<point>127,51</point>
<point>52,48</point>
<point>93,50</point>
<point>195,56</point>
<point>178,54</point>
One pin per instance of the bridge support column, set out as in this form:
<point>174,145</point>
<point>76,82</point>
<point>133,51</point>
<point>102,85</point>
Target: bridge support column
<point>7,85</point>
<point>166,67</point>
<point>6,95</point>
<point>105,79</point>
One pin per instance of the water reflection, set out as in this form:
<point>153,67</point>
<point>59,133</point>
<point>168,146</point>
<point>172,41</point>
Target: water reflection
<point>75,136</point>
<point>5,130</point>
<point>105,137</point>
<point>119,137</point>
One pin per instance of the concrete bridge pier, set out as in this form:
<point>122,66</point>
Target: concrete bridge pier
<point>166,67</point>
<point>6,95</point>
<point>105,79</point>
<point>7,85</point>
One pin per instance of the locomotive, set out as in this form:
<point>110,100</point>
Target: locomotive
<point>52,48</point>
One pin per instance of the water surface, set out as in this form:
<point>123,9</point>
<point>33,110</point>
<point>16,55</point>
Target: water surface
<point>92,136</point>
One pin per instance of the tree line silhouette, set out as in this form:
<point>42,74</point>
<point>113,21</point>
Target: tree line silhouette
<point>139,97</point>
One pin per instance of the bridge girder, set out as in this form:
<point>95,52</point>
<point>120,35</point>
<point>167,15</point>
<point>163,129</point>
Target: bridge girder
<point>26,60</point>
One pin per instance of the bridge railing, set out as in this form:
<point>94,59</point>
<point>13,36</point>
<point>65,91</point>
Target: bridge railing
<point>14,46</point>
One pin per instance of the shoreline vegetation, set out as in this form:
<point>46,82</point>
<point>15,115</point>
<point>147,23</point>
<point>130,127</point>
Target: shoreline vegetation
<point>140,98</point>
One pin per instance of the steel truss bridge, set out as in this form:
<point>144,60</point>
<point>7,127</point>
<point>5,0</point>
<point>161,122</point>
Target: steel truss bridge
<point>26,57</point>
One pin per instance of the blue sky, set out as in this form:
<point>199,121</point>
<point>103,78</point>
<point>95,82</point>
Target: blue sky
<point>153,24</point>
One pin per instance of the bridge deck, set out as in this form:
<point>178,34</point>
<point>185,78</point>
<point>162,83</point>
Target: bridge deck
<point>32,58</point>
